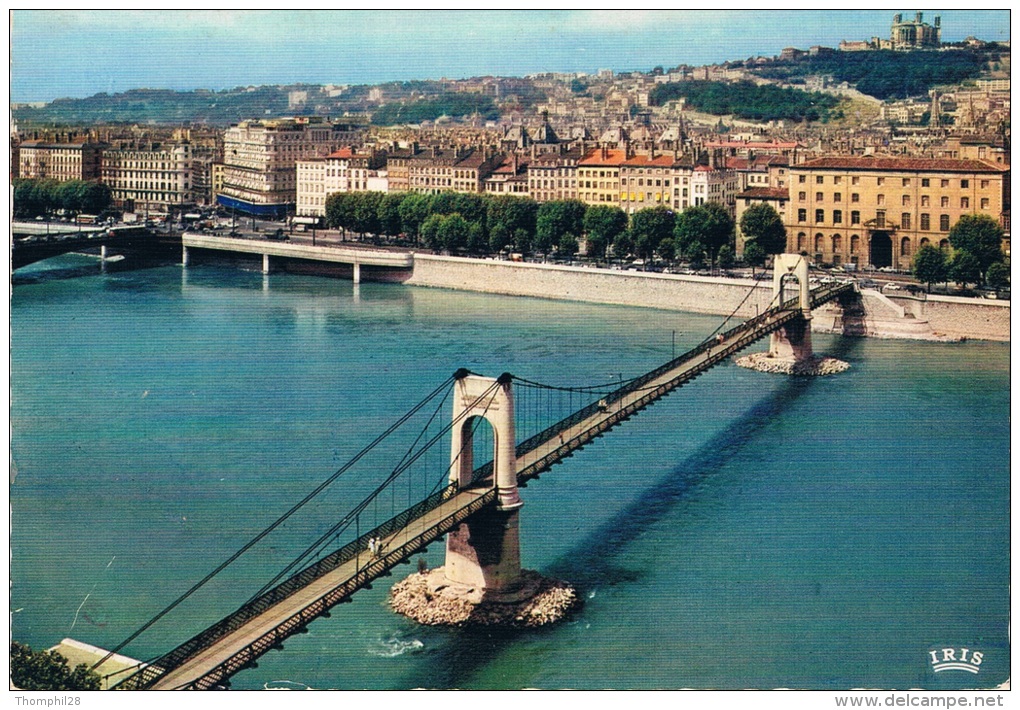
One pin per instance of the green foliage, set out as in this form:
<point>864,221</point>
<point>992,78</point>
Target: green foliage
<point>48,670</point>
<point>34,197</point>
<point>747,100</point>
<point>930,266</point>
<point>453,232</point>
<point>725,256</point>
<point>965,268</point>
<point>510,214</point>
<point>623,244</point>
<point>887,74</point>
<point>754,255</point>
<point>603,223</point>
<point>763,224</point>
<point>452,104</point>
<point>708,224</point>
<point>997,275</point>
<point>649,227</point>
<point>390,222</point>
<point>414,209</point>
<point>979,235</point>
<point>340,208</point>
<point>567,245</point>
<point>366,212</point>
<point>430,232</point>
<point>556,219</point>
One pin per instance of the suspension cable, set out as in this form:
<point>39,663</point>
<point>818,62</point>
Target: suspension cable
<point>279,521</point>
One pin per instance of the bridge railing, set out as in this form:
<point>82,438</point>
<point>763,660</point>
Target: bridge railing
<point>300,580</point>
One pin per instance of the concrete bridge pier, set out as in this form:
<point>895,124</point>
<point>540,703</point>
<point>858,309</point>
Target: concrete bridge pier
<point>265,263</point>
<point>185,257</point>
<point>792,342</point>
<point>483,554</point>
<point>357,272</point>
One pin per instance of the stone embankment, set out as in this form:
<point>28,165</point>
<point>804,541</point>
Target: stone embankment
<point>818,366</point>
<point>427,598</point>
<point>931,318</point>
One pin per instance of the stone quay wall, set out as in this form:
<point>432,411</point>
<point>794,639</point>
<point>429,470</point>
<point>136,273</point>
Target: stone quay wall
<point>958,317</point>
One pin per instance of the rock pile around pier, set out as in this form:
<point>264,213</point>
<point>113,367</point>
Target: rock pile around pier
<point>429,599</point>
<point>815,367</point>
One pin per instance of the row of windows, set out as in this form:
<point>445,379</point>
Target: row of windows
<point>836,244</point>
<point>904,182</point>
<point>855,218</point>
<point>905,200</point>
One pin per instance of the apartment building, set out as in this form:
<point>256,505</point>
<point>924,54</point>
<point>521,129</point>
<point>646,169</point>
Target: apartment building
<point>449,169</point>
<point>260,160</point>
<point>344,170</point>
<point>598,176</point>
<point>879,211</point>
<point>710,184</point>
<point>60,161</point>
<point>553,176</point>
<point>777,197</point>
<point>645,181</point>
<point>149,178</point>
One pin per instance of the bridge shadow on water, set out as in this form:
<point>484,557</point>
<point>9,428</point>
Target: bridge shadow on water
<point>592,561</point>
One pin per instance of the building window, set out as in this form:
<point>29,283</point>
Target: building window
<point>984,203</point>
<point>881,181</point>
<point>802,196</point>
<point>905,220</point>
<point>837,179</point>
<point>905,246</point>
<point>802,178</point>
<point>819,240</point>
<point>801,241</point>
<point>925,221</point>
<point>905,200</point>
<point>880,219</point>
<point>984,184</point>
<point>855,180</point>
<point>819,197</point>
<point>965,184</point>
<point>945,183</point>
<point>944,222</point>
<point>819,179</point>
<point>802,215</point>
<point>925,182</point>
<point>906,182</point>
<point>837,197</point>
<point>837,216</point>
<point>855,243</point>
<point>819,216</point>
<point>925,200</point>
<point>855,197</point>
<point>964,203</point>
<point>880,199</point>
<point>945,201</point>
<point>837,243</point>
<point>855,217</point>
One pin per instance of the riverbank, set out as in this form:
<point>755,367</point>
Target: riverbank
<point>933,318</point>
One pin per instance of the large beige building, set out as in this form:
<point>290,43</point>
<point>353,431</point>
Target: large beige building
<point>260,160</point>
<point>879,211</point>
<point>150,178</point>
<point>344,170</point>
<point>60,161</point>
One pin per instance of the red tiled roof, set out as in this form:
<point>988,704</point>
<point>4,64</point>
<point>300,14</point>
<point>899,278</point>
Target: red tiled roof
<point>870,162</point>
<point>610,156</point>
<point>345,152</point>
<point>765,193</point>
<point>753,145</point>
<point>644,161</point>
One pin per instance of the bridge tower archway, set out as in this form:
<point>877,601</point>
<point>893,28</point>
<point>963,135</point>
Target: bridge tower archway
<point>484,552</point>
<point>793,340</point>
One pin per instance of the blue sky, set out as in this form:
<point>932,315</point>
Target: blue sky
<point>79,53</point>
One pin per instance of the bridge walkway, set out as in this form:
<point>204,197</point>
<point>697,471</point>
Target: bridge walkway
<point>237,641</point>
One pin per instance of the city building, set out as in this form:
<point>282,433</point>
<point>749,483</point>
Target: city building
<point>344,170</point>
<point>878,211</point>
<point>645,181</point>
<point>777,197</point>
<point>598,176</point>
<point>60,161</point>
<point>456,169</point>
<point>712,184</point>
<point>916,34</point>
<point>260,160</point>
<point>149,178</point>
<point>553,176</point>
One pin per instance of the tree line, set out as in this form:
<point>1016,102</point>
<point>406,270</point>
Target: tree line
<point>977,256</point>
<point>747,100</point>
<point>34,197</point>
<point>486,224</point>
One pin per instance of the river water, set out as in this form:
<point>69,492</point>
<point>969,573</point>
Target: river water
<point>749,531</point>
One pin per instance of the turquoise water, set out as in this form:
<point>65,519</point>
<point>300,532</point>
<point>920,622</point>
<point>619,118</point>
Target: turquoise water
<point>749,531</point>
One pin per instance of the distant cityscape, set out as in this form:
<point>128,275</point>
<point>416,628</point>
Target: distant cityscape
<point>856,177</point>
